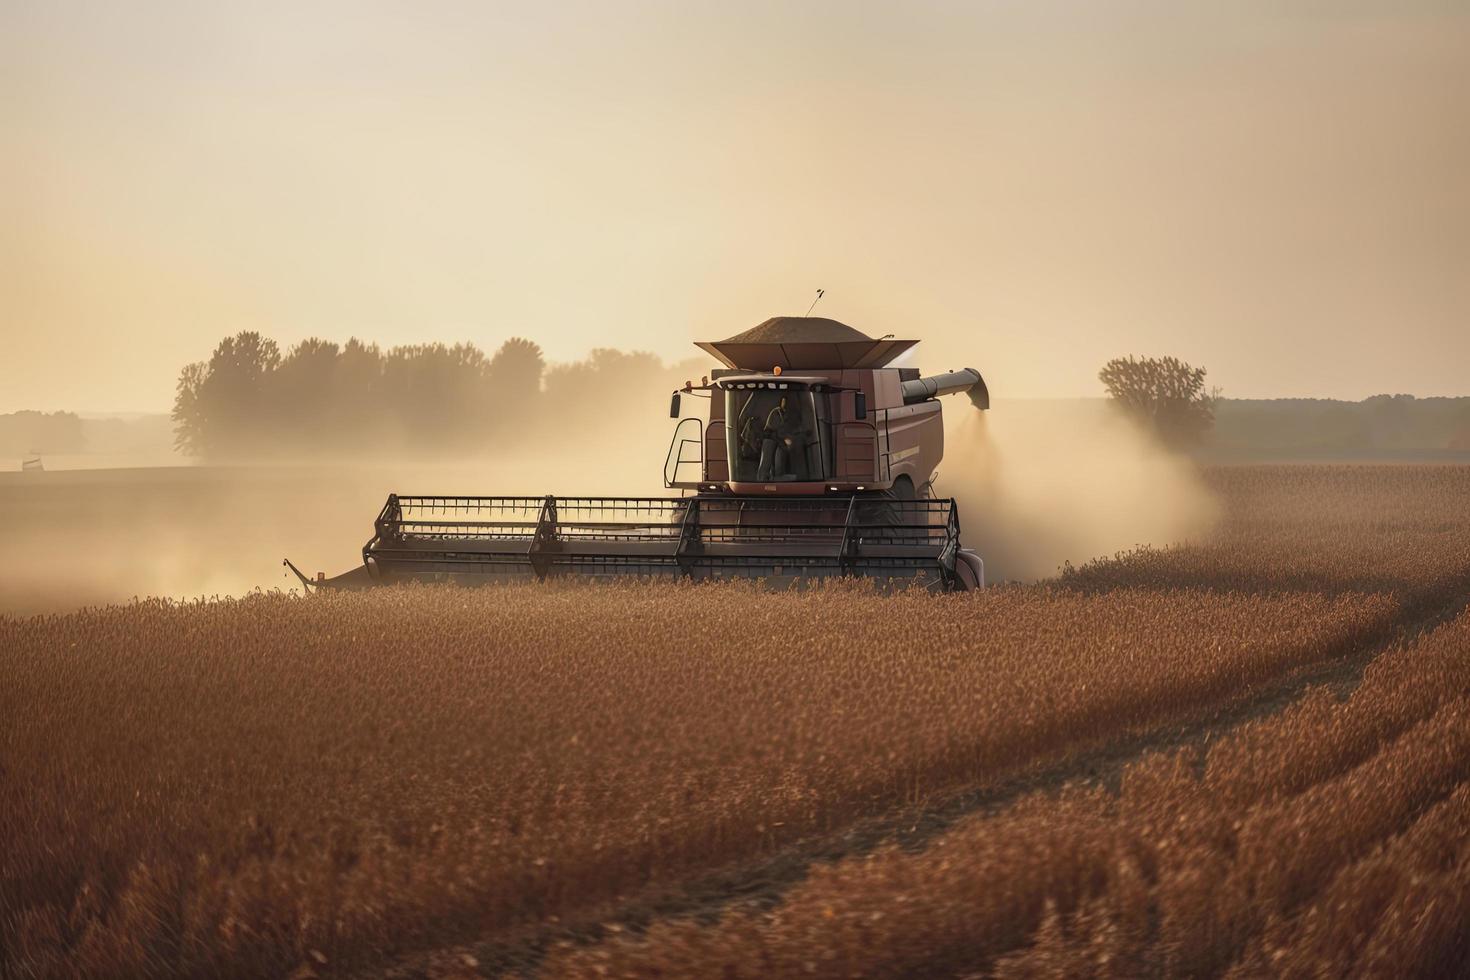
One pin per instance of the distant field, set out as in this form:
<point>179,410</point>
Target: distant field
<point>1141,767</point>
<point>68,462</point>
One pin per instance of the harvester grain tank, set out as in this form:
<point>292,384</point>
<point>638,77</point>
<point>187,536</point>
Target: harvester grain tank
<point>816,458</point>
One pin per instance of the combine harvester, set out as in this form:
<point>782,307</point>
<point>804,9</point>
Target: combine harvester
<point>817,460</point>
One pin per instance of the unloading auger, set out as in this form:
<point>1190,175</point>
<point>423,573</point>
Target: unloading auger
<point>817,459</point>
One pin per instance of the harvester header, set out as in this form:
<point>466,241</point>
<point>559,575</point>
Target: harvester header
<point>807,455</point>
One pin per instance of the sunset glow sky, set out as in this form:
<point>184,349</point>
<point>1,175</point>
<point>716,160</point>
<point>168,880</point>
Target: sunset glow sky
<point>1277,190</point>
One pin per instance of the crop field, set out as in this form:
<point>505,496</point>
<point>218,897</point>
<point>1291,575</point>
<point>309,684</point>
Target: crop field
<point>1245,755</point>
<point>1331,838</point>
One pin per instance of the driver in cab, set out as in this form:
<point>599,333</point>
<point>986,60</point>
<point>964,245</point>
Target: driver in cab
<point>783,444</point>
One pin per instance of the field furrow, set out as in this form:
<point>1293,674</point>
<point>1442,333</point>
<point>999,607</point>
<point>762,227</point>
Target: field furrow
<point>1251,856</point>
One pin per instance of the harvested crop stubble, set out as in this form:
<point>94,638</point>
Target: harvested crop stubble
<point>1332,838</point>
<point>229,786</point>
<point>1398,529</point>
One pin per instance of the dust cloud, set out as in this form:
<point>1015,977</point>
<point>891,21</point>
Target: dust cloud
<point>1042,483</point>
<point>93,537</point>
<point>1039,484</point>
<point>99,536</point>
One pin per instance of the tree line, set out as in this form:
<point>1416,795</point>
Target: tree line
<point>250,400</point>
<point>1168,397</point>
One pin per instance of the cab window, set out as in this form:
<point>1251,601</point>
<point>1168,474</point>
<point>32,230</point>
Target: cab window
<point>772,432</point>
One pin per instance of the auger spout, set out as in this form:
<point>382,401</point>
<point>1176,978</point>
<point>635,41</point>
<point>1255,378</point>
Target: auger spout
<point>969,380</point>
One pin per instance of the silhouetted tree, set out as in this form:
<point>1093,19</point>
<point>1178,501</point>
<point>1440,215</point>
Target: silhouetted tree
<point>1165,394</point>
<point>302,392</point>
<point>233,394</point>
<point>513,398</point>
<point>357,412</point>
<point>438,394</point>
<point>604,370</point>
<point>191,428</point>
<point>516,370</point>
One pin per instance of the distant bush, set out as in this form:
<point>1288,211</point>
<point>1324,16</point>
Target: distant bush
<point>1165,394</point>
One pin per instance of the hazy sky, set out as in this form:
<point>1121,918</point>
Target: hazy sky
<point>1277,190</point>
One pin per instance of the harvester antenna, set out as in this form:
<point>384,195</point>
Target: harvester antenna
<point>820,294</point>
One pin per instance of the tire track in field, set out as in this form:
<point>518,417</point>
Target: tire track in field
<point>762,884</point>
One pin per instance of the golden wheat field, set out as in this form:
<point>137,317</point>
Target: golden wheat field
<point>1245,756</point>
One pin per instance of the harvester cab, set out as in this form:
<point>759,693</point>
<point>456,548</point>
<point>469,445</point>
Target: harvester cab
<point>815,458</point>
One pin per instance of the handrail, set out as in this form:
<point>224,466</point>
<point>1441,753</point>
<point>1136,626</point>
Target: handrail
<point>672,462</point>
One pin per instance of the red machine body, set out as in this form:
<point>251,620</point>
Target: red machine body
<point>816,459</point>
<point>845,421</point>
